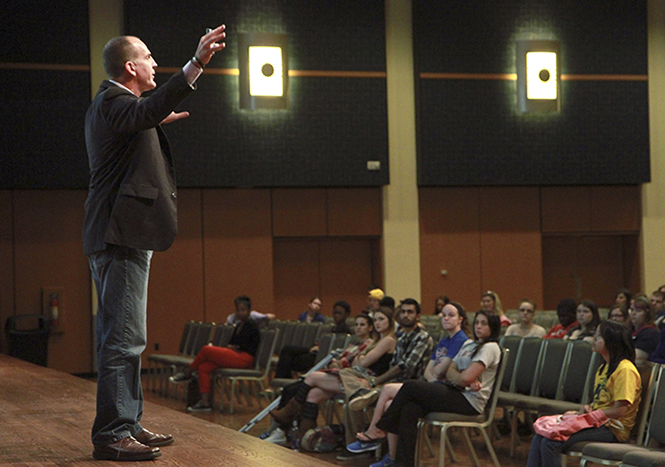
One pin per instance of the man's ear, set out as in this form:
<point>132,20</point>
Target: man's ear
<point>130,68</point>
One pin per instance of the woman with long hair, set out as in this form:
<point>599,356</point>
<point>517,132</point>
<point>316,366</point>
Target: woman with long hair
<point>617,392</point>
<point>490,301</point>
<point>466,390</point>
<point>456,324</point>
<point>319,386</point>
<point>588,320</point>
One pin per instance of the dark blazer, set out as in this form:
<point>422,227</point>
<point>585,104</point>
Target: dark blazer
<point>132,195</point>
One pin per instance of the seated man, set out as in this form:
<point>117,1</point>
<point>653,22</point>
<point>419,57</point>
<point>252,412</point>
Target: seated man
<point>300,359</point>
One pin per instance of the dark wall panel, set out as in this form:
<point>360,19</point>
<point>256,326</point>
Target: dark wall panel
<point>470,132</point>
<point>45,91</point>
<point>332,127</point>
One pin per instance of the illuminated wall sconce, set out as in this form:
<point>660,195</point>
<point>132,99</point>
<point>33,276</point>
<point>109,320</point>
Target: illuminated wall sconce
<point>538,76</point>
<point>264,71</point>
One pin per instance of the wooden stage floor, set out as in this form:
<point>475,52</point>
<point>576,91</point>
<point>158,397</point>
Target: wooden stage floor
<point>46,416</point>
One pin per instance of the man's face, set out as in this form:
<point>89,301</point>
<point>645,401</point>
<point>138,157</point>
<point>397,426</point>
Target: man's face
<point>657,304</point>
<point>339,315</point>
<point>315,306</point>
<point>408,316</point>
<point>144,66</point>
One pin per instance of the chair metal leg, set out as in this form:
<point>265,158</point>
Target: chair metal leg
<point>469,446</point>
<point>490,448</point>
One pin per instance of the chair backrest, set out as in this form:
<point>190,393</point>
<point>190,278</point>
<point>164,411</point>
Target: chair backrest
<point>656,424</point>
<point>552,368</point>
<point>191,339</point>
<point>299,334</point>
<point>289,334</point>
<point>311,331</point>
<point>578,372</point>
<point>223,334</point>
<point>339,341</point>
<point>324,346</point>
<point>649,373</point>
<point>526,368</point>
<point>511,343</point>
<point>266,349</point>
<point>202,337</point>
<point>490,408</point>
<point>186,332</point>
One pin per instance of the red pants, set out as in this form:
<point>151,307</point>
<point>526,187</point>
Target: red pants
<point>211,357</point>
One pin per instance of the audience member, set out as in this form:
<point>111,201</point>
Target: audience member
<point>439,303</point>
<point>365,334</point>
<point>658,307</point>
<point>374,297</point>
<point>617,394</point>
<point>658,355</point>
<point>567,314</point>
<point>255,315</point>
<point>623,297</point>
<point>644,332</point>
<point>618,312</point>
<point>239,353</point>
<point>294,358</point>
<point>466,390</point>
<point>456,324</point>
<point>387,302</point>
<point>313,312</point>
<point>526,327</point>
<point>588,319</point>
<point>319,386</point>
<point>414,347</point>
<point>490,301</point>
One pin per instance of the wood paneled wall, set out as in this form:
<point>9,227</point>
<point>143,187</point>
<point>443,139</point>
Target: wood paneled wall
<point>542,243</point>
<point>283,246</point>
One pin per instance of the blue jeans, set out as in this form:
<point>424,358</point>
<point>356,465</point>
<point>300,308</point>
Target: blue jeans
<point>121,278</point>
<point>547,453</point>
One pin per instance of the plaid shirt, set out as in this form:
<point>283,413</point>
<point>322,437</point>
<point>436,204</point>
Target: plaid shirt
<point>412,353</point>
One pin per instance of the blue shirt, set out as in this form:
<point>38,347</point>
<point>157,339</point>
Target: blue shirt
<point>449,346</point>
<point>318,318</point>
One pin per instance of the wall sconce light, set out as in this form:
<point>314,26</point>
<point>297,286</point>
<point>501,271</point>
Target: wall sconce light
<point>538,76</point>
<point>263,69</point>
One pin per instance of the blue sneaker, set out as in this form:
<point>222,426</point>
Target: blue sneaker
<point>385,462</point>
<point>359,446</point>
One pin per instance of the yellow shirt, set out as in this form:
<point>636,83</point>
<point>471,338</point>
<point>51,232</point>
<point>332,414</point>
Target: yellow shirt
<point>624,384</point>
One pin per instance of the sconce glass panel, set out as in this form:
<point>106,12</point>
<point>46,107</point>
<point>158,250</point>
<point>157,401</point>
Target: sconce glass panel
<point>263,71</point>
<point>538,76</point>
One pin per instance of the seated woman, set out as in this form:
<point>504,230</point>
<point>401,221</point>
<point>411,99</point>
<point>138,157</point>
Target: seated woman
<point>588,319</point>
<point>439,303</point>
<point>323,385</point>
<point>644,333</point>
<point>490,301</point>
<point>469,382</point>
<point>526,327</point>
<point>567,314</point>
<point>617,393</point>
<point>619,312</point>
<point>365,337</point>
<point>239,353</point>
<point>456,324</point>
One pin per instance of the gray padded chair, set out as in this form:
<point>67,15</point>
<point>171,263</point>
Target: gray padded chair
<point>449,420</point>
<point>252,380</point>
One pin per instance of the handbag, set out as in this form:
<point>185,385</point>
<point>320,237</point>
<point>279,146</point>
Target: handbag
<point>560,427</point>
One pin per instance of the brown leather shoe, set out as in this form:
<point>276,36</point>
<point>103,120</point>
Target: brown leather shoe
<point>153,439</point>
<point>127,449</point>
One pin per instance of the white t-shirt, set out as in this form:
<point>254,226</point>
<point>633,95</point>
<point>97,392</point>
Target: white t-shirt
<point>489,355</point>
